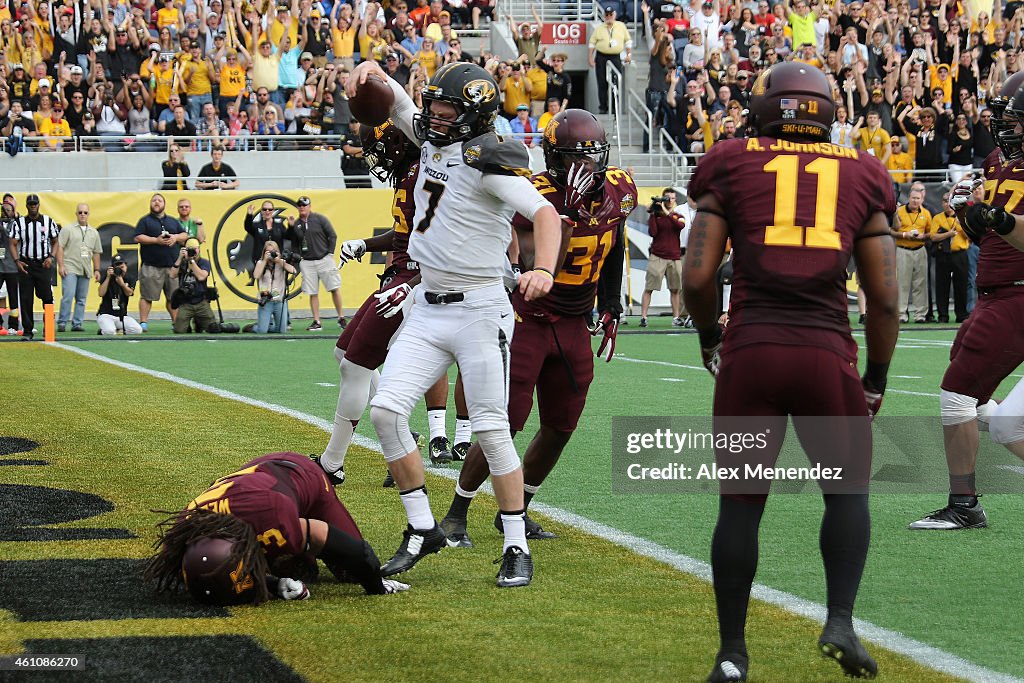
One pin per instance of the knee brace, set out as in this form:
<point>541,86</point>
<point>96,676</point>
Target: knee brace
<point>957,408</point>
<point>499,451</point>
<point>354,390</point>
<point>393,431</point>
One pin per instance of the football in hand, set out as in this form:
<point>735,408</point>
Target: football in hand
<point>372,102</point>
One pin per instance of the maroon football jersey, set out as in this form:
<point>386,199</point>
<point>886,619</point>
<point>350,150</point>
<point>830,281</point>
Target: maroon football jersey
<point>576,284</point>
<point>1000,264</point>
<point>271,494</point>
<point>793,211</point>
<point>403,209</point>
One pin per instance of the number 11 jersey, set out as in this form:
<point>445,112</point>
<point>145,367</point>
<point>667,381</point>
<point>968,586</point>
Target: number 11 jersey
<point>794,211</point>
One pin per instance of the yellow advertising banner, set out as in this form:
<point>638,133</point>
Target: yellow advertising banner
<point>355,214</point>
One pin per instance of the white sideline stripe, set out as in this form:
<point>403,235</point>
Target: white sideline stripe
<point>666,363</point>
<point>893,641</point>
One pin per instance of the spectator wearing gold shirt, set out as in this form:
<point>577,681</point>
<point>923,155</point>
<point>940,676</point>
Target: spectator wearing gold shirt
<point>911,227</point>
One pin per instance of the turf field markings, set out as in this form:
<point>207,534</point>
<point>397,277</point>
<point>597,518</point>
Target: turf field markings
<point>911,393</point>
<point>907,377</point>
<point>663,363</point>
<point>325,384</point>
<point>1016,469</point>
<point>672,379</point>
<point>915,650</point>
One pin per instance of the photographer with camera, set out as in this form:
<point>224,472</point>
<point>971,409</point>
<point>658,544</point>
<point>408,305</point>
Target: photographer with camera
<point>271,274</point>
<point>115,290</point>
<point>191,299</point>
<point>665,260</point>
<point>160,237</point>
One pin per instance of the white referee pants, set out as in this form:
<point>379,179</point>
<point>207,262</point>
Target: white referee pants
<point>476,333</point>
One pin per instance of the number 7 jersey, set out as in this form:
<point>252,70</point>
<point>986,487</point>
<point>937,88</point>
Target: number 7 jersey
<point>793,211</point>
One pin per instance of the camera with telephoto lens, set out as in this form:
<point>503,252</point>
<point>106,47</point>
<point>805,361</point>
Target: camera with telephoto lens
<point>265,298</point>
<point>657,205</point>
<point>273,255</point>
<point>191,252</point>
<point>291,258</point>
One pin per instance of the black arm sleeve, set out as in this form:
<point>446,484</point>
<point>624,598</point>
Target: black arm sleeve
<point>353,557</point>
<point>609,285</point>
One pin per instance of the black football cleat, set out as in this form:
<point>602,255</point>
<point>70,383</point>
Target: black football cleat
<point>839,642</point>
<point>455,533</point>
<point>534,531</point>
<point>953,517</point>
<point>516,568</point>
<point>416,544</point>
<point>440,450</point>
<point>335,478</point>
<point>460,450</point>
<point>389,481</point>
<point>729,667</point>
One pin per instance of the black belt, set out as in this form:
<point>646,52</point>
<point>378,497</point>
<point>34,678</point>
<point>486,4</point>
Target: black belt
<point>33,261</point>
<point>911,248</point>
<point>443,297</point>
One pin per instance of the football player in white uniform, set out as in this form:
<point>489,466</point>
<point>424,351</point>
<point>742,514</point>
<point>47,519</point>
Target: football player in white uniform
<point>471,182</point>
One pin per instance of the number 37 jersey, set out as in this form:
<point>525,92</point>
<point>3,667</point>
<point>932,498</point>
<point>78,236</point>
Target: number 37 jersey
<point>794,211</point>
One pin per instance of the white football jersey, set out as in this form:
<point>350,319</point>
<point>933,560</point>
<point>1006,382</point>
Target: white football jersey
<point>466,195</point>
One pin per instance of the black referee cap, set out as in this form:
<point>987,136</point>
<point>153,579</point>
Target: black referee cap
<point>32,199</point>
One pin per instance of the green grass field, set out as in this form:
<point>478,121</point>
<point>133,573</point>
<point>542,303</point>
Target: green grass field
<point>596,611</point>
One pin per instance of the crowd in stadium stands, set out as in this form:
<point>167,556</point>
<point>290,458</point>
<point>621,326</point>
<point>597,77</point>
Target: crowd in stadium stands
<point>913,72</point>
<point>236,74</point>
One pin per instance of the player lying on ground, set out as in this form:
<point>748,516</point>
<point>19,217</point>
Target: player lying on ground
<point>257,533</point>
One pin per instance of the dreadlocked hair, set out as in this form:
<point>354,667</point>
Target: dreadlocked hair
<point>183,528</point>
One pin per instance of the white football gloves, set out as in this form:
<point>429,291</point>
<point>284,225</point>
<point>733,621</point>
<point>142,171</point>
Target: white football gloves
<point>962,194</point>
<point>392,586</point>
<point>391,301</point>
<point>351,249</point>
<point>292,589</point>
<point>579,183</point>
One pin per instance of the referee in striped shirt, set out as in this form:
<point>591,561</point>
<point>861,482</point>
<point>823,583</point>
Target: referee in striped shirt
<point>33,241</point>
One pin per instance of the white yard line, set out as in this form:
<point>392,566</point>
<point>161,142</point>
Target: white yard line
<point>917,651</point>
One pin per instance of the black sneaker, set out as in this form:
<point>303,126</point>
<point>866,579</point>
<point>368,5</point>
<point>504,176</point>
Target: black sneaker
<point>729,667</point>
<point>389,481</point>
<point>342,322</point>
<point>455,533</point>
<point>416,545</point>
<point>314,326</point>
<point>534,531</point>
<point>77,328</point>
<point>460,450</point>
<point>839,642</point>
<point>440,450</point>
<point>335,478</point>
<point>516,568</point>
<point>953,517</point>
<point>643,322</point>
<point>677,322</point>
<point>61,327</point>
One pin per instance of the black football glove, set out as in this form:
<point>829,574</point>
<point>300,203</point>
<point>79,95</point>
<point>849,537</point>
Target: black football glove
<point>711,348</point>
<point>982,217</point>
<point>608,325</point>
